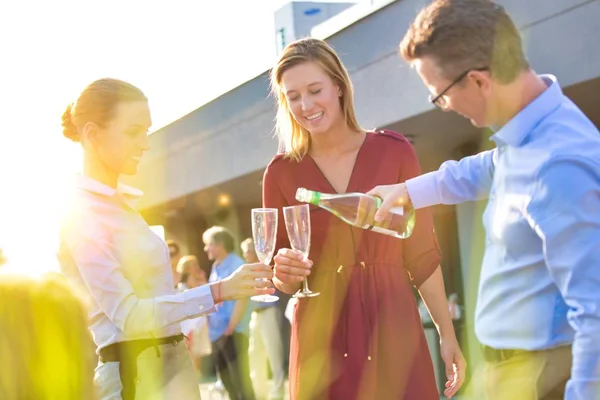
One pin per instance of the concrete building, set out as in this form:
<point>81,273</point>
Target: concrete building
<point>296,19</point>
<point>206,168</point>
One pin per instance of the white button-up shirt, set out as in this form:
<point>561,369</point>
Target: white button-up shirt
<point>109,251</point>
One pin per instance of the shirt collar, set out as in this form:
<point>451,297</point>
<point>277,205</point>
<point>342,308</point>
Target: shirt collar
<point>225,261</point>
<point>521,125</point>
<point>94,186</point>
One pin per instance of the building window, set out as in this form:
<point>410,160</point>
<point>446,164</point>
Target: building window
<point>280,38</point>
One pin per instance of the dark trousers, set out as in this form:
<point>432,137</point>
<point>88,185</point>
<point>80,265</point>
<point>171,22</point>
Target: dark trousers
<point>230,354</point>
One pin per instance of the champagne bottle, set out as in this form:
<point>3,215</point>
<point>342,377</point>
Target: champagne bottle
<point>358,209</point>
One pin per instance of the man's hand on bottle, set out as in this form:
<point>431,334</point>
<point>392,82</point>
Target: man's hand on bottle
<point>392,196</point>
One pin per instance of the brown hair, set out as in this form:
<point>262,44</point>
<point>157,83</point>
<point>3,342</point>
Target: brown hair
<point>47,350</point>
<point>184,267</point>
<point>464,34</point>
<point>97,103</point>
<point>171,243</point>
<point>294,139</point>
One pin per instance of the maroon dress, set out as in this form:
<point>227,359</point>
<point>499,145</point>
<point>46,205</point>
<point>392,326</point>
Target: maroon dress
<point>362,338</point>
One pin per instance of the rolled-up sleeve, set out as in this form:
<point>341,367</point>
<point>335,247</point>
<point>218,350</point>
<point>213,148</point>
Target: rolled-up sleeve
<point>455,182</point>
<point>421,252</point>
<point>565,213</point>
<point>273,198</point>
<point>93,253</point>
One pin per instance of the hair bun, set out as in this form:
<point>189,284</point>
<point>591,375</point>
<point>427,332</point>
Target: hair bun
<point>69,128</point>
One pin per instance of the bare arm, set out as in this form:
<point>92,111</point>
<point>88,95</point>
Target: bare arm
<point>434,296</point>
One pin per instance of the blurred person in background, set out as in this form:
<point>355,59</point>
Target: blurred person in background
<point>46,350</point>
<point>108,250</point>
<point>195,329</point>
<point>190,273</point>
<point>174,256</point>
<point>266,342</point>
<point>228,327</point>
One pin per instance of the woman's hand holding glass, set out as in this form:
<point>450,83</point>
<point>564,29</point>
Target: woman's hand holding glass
<point>248,280</point>
<point>291,267</point>
<point>297,225</point>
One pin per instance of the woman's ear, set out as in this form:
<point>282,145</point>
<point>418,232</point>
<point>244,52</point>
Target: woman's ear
<point>91,133</point>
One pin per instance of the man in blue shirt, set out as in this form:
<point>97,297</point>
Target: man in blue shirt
<point>538,307</point>
<point>228,326</point>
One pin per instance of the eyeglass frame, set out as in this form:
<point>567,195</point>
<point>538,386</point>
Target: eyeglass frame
<point>435,100</point>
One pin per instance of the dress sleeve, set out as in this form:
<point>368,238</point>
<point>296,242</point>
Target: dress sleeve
<point>421,251</point>
<point>273,198</point>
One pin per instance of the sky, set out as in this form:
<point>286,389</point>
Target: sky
<point>181,56</point>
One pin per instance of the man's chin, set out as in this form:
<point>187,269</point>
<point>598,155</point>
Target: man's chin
<point>477,124</point>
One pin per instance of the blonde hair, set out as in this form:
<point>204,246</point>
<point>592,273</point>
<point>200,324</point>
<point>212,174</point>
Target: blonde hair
<point>184,266</point>
<point>247,245</point>
<point>47,351</point>
<point>98,103</point>
<point>294,139</point>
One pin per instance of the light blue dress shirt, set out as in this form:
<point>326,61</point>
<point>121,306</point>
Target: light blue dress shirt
<point>219,320</point>
<point>540,278</point>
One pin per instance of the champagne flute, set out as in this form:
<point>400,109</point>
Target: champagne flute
<point>264,232</point>
<point>297,224</point>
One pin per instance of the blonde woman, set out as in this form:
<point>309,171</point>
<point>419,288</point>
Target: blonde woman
<point>110,252</point>
<point>45,347</point>
<point>362,338</point>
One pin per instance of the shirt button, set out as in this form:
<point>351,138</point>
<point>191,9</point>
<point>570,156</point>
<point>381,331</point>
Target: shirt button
<point>201,308</point>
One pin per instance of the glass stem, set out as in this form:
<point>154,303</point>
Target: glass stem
<point>305,285</point>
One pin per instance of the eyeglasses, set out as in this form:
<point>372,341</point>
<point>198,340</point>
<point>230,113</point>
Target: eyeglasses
<point>439,100</point>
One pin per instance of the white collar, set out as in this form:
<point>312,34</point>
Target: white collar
<point>92,185</point>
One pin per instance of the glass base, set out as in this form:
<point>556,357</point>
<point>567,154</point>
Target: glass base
<point>265,298</point>
<point>304,294</point>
